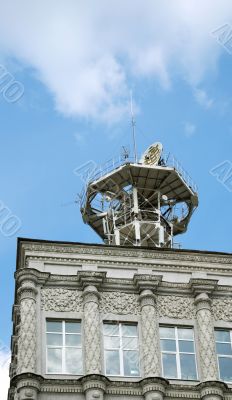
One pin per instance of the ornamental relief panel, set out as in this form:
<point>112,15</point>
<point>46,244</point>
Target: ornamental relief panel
<point>176,307</point>
<point>222,309</point>
<point>59,299</point>
<point>119,303</point>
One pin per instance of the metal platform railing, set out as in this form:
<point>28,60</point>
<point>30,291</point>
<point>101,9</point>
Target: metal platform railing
<point>116,162</point>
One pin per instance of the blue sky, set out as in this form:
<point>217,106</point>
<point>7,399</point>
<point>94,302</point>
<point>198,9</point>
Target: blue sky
<point>77,65</point>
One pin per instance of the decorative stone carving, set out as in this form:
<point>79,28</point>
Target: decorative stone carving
<point>213,390</point>
<point>206,339</point>
<point>154,388</point>
<point>222,309</point>
<point>150,334</point>
<point>59,299</point>
<point>119,303</point>
<point>134,253</point>
<point>92,331</point>
<point>27,337</point>
<point>26,360</point>
<point>94,387</point>
<point>178,307</point>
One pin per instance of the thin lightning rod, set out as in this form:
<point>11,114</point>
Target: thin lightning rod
<point>133,127</point>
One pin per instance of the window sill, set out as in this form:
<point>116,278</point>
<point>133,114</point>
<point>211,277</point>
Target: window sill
<point>62,376</point>
<point>184,381</point>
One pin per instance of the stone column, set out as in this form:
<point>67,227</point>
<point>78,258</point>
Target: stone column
<point>90,282</point>
<point>150,342</point>
<point>202,288</point>
<point>27,345</point>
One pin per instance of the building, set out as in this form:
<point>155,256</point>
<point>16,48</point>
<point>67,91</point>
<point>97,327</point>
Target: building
<point>118,321</point>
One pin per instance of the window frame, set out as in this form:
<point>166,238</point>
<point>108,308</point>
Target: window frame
<point>223,355</point>
<point>177,353</point>
<point>121,349</point>
<point>63,347</point>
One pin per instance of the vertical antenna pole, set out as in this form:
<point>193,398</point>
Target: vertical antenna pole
<point>133,127</point>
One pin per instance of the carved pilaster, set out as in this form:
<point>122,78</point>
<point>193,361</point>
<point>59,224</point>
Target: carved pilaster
<point>92,340</point>
<point>26,360</point>
<point>205,328</point>
<point>149,324</point>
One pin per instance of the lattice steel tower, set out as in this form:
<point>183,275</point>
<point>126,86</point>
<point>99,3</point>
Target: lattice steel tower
<point>144,203</point>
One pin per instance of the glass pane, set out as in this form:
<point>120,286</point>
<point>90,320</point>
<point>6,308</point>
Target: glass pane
<point>188,366</point>
<point>111,329</point>
<point>72,327</point>
<point>169,365</point>
<point>129,330</point>
<point>54,326</point>
<point>167,332</point>
<point>112,342</point>
<point>168,345</point>
<point>224,348</point>
<point>186,346</point>
<point>54,339</point>
<point>112,362</point>
<point>54,361</point>
<point>73,361</point>
<point>222,336</point>
<point>130,343</point>
<point>73,340</point>
<point>225,367</point>
<point>131,363</point>
<point>185,333</point>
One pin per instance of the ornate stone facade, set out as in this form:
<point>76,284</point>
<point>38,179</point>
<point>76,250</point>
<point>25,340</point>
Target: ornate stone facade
<point>140,295</point>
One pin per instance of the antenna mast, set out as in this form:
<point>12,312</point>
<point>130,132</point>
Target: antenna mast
<point>133,127</point>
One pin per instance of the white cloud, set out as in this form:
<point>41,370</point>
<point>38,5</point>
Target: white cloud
<point>4,372</point>
<point>189,129</point>
<point>203,99</point>
<point>86,53</point>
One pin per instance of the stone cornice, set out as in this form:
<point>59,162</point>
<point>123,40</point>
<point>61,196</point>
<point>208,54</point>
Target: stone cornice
<point>89,278</point>
<point>30,274</point>
<point>147,282</point>
<point>124,255</point>
<point>126,285</point>
<point>199,286</point>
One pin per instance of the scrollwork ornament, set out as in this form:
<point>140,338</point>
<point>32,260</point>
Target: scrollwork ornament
<point>59,299</point>
<point>178,307</point>
<point>222,309</point>
<point>119,303</point>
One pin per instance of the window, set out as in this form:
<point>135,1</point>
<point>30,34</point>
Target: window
<point>121,349</point>
<point>64,355</point>
<point>224,354</point>
<point>178,353</point>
